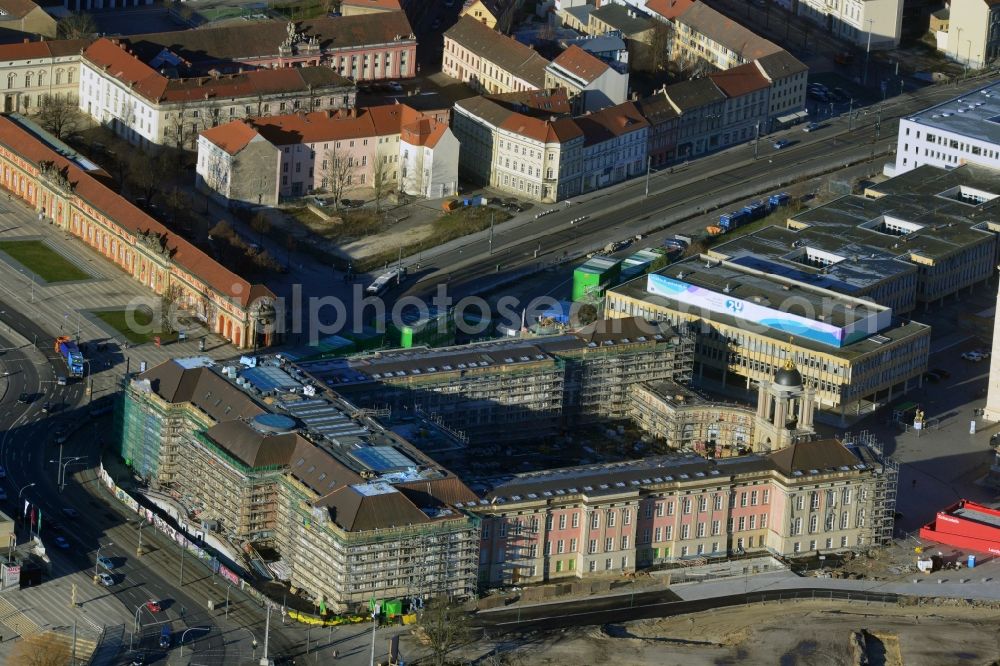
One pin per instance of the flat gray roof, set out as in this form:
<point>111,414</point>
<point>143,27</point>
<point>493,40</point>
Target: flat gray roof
<point>975,114</point>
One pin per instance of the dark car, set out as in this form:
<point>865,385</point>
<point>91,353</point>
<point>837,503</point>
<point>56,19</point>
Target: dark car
<point>931,377</point>
<point>24,398</point>
<point>943,374</point>
<point>165,637</point>
<point>351,203</point>
<point>781,143</point>
<point>46,407</point>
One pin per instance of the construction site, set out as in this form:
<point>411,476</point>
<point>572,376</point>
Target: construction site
<point>524,389</point>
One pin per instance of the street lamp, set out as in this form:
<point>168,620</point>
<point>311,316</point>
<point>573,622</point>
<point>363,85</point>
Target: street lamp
<point>138,549</point>
<point>61,472</point>
<point>868,50</point>
<point>24,488</point>
<point>253,641</point>
<point>98,557</point>
<point>186,633</point>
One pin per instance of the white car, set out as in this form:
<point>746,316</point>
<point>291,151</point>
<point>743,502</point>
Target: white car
<point>105,579</point>
<point>975,357</point>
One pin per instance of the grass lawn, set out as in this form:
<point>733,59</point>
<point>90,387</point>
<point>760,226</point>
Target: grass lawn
<point>353,223</point>
<point>123,321</point>
<point>458,223</point>
<point>301,9</point>
<point>40,259</point>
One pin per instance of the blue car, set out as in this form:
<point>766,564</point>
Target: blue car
<point>781,143</point>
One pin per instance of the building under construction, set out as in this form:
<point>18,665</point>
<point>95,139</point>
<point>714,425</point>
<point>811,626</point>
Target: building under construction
<point>524,388</point>
<point>263,458</point>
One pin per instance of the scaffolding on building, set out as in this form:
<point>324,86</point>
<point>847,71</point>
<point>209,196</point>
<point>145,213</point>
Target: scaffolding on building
<point>885,485</point>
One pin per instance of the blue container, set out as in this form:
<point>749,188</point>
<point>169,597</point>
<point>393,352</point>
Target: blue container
<point>972,561</point>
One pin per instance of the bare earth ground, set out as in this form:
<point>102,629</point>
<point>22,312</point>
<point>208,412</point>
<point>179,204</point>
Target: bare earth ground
<point>788,634</point>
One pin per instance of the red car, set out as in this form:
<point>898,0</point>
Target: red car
<point>153,606</point>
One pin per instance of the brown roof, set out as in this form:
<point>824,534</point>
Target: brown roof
<point>202,388</point>
<point>506,53</point>
<point>17,8</point>
<point>130,218</point>
<point>608,123</point>
<point>740,80</point>
<point>657,108</point>
<point>669,9</point>
<point>821,455</point>
<point>544,102</point>
<point>694,94</point>
<point>355,511</point>
<point>723,30</point>
<point>580,63</point>
<point>780,64</point>
<point>252,447</point>
<point>44,49</point>
<point>261,39</point>
<point>112,57</point>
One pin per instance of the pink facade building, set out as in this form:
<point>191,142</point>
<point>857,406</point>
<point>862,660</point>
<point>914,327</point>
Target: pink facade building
<point>616,518</point>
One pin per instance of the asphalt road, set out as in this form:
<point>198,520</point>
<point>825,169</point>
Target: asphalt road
<point>467,265</point>
<point>27,447</point>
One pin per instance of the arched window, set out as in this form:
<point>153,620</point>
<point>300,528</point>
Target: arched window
<point>41,78</point>
<point>69,76</point>
<point>11,81</point>
<point>27,80</point>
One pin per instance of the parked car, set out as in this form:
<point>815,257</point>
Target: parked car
<point>351,203</point>
<point>107,580</point>
<point>61,542</point>
<point>106,562</point>
<point>810,127</point>
<point>781,143</point>
<point>395,86</point>
<point>931,377</point>
<point>139,659</point>
<point>973,356</point>
<point>942,373</point>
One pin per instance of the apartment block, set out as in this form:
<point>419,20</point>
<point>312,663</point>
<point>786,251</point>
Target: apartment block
<point>149,108</point>
<point>36,69</point>
<point>592,84</point>
<point>973,32</point>
<point>489,61</point>
<point>496,14</point>
<point>365,47</point>
<point>263,459</point>
<point>347,150</point>
<point>608,520</point>
<point>864,23</point>
<point>519,144</point>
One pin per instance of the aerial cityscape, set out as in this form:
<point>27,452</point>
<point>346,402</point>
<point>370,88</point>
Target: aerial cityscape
<point>499,332</point>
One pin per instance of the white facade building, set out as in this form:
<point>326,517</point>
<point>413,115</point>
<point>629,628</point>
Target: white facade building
<point>857,21</point>
<point>959,131</point>
<point>428,152</point>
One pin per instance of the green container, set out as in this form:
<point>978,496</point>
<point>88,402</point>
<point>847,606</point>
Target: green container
<point>392,608</point>
<point>592,277</point>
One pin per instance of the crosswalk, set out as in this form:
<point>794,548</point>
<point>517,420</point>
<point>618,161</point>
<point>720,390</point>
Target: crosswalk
<point>15,620</point>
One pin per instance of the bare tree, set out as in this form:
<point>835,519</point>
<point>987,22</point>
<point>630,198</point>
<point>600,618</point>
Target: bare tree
<point>60,115</point>
<point>658,49</point>
<point>444,627</point>
<point>261,225</point>
<point>338,170</point>
<point>176,130</point>
<point>40,650</point>
<point>76,26</point>
<point>381,179</point>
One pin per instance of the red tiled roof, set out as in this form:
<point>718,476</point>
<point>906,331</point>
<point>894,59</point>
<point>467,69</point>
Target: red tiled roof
<point>112,57</point>
<point>425,132</point>
<point>740,81</point>
<point>44,49</point>
<point>577,61</point>
<point>231,137</point>
<point>296,128</point>
<point>669,9</point>
<point>130,218</point>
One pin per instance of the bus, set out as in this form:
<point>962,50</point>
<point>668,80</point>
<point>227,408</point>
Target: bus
<point>385,281</point>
